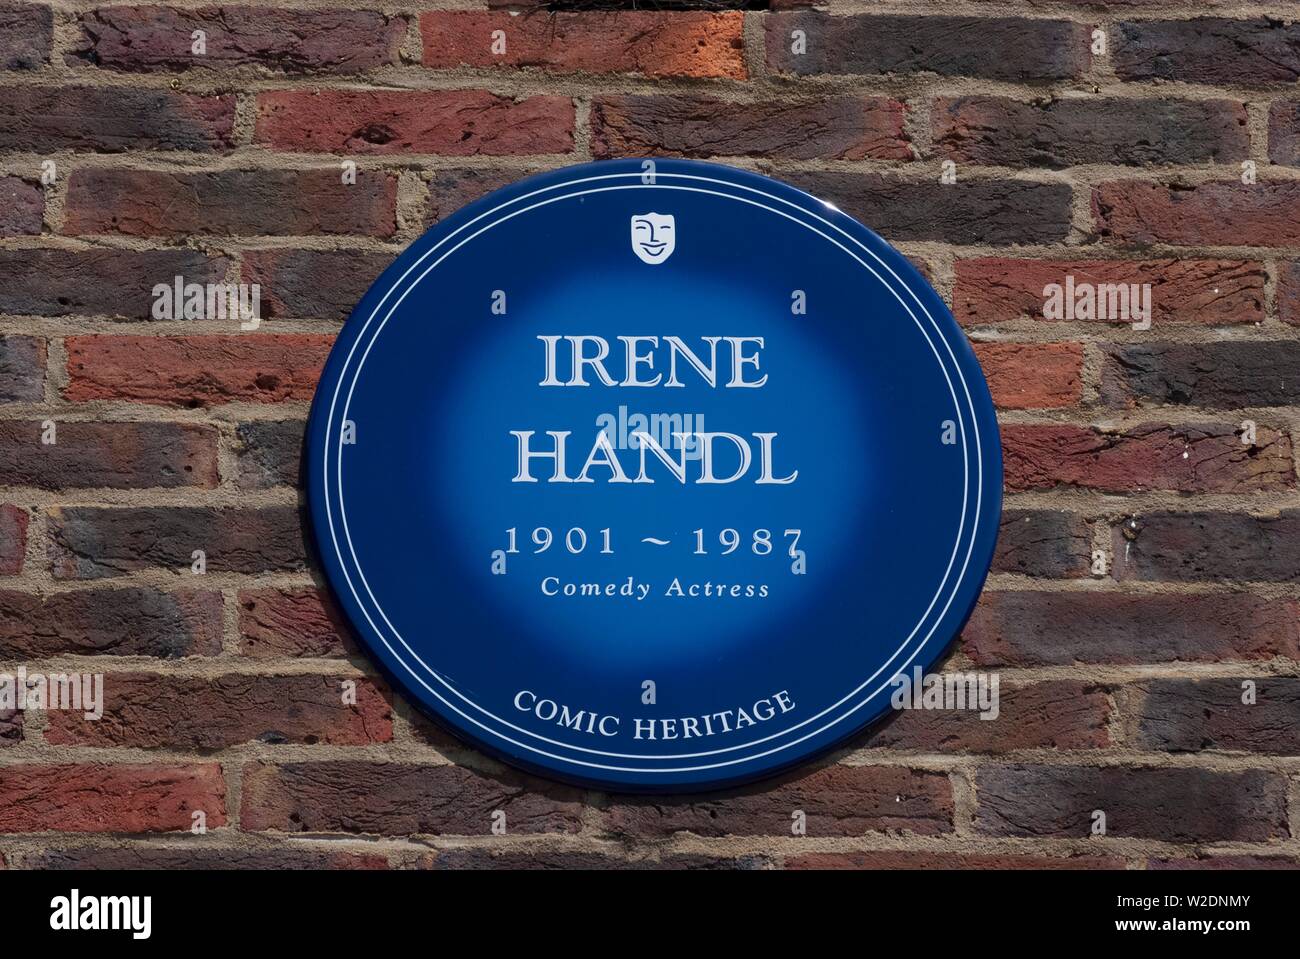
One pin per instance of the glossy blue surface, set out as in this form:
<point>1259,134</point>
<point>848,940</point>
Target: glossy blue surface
<point>445,361</point>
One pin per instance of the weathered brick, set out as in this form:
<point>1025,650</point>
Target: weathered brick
<point>1227,862</point>
<point>150,711</point>
<point>312,284</point>
<point>26,35</point>
<point>137,856</point>
<point>1207,547</point>
<point>1288,293</point>
<point>113,455</point>
<point>22,369</point>
<point>998,212</point>
<point>1051,715</point>
<point>1027,376</point>
<point>104,798</point>
<point>838,801</point>
<point>1187,457</point>
<point>1078,130</point>
<point>533,857</point>
<point>98,282</point>
<point>896,859</point>
<point>1266,213</point>
<point>389,799</point>
<point>22,206</point>
<point>1208,50</point>
<point>145,38</point>
<point>90,542</point>
<point>1173,804</point>
<point>114,119</point>
<point>996,48</point>
<point>449,190</point>
<point>112,622</point>
<point>831,128</point>
<point>1189,715</point>
<point>230,203</point>
<point>269,453</point>
<point>1050,543</point>
<point>1214,292</point>
<point>1062,629</point>
<point>1225,375</point>
<point>444,122</point>
<point>1284,132</point>
<point>11,727</point>
<point>291,622</point>
<point>195,370</point>
<point>13,539</point>
<point>653,43</point>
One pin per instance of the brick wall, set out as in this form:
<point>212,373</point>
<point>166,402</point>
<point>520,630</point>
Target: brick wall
<point>1121,681</point>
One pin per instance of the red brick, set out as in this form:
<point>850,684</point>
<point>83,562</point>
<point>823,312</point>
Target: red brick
<point>1213,292</point>
<point>1027,376</point>
<point>138,856</point>
<point>1188,458</point>
<point>830,128</point>
<point>653,43</point>
<point>150,711</point>
<point>389,799</point>
<point>91,542</point>
<point>195,370</point>
<point>230,203</point>
<point>1161,546</point>
<point>1051,715</point>
<point>13,539</point>
<point>1172,804</point>
<point>1056,133</point>
<point>891,860</point>
<point>996,48</point>
<point>97,281</point>
<point>151,38</point>
<point>838,801</point>
<point>543,858</point>
<point>117,799</point>
<point>114,119</point>
<point>443,122</point>
<point>292,623</point>
<point>1050,543</point>
<point>1061,629</point>
<point>110,622</point>
<point>22,206</point>
<point>1208,50</point>
<point>22,369</point>
<point>112,455</point>
<point>1266,213</point>
<point>1288,293</point>
<point>1212,861</point>
<point>26,35</point>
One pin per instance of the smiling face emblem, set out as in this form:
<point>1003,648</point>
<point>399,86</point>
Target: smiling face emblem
<point>654,236</point>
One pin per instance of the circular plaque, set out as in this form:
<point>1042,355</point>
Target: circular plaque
<point>653,475</point>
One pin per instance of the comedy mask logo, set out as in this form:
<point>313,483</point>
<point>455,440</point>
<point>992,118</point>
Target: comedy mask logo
<point>653,237</point>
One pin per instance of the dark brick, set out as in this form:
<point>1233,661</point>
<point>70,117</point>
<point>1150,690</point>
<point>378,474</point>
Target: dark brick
<point>269,453</point>
<point>1208,50</point>
<point>150,711</point>
<point>97,282</point>
<point>11,727</point>
<point>998,212</point>
<point>22,206</point>
<point>1226,375</point>
<point>1208,547</point>
<point>832,128</point>
<point>22,369</point>
<point>1172,804</point>
<point>1043,543</point>
<point>136,856</point>
<point>26,35</point>
<point>312,284</point>
<point>113,622</point>
<point>230,203</point>
<point>1284,132</point>
<point>92,542</point>
<point>449,190</point>
<point>144,38</point>
<point>1063,629</point>
<point>114,119</point>
<point>838,801</point>
<point>389,799</point>
<point>892,859</point>
<point>1060,133</point>
<point>995,48</point>
<point>1190,715</point>
<point>112,455</point>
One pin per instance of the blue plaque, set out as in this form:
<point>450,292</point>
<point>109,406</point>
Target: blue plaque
<point>653,475</point>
